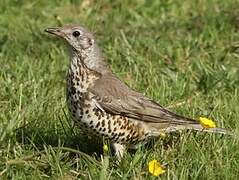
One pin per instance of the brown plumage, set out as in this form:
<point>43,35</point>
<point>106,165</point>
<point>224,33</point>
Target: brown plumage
<point>102,104</point>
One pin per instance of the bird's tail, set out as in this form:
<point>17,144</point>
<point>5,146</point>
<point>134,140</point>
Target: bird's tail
<point>197,127</point>
<point>170,122</point>
<point>156,129</point>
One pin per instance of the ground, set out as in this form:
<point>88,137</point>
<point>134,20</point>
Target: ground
<point>183,54</point>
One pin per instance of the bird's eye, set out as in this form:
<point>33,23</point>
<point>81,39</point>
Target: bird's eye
<point>76,33</point>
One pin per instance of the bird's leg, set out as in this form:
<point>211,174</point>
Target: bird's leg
<point>119,150</point>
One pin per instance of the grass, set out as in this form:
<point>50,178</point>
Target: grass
<point>173,51</point>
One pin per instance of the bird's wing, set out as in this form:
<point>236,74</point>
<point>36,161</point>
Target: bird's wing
<point>117,98</point>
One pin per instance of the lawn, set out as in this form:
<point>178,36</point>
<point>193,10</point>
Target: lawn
<point>182,54</point>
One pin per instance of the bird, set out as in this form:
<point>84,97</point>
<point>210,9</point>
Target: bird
<point>103,105</point>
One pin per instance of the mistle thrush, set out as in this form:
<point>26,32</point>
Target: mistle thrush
<point>102,104</point>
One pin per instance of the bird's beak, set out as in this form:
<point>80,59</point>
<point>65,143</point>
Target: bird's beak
<point>55,31</point>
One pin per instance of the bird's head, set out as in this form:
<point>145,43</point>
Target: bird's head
<point>76,36</point>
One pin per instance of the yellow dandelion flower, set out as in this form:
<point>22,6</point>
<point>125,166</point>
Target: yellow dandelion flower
<point>207,123</point>
<point>105,148</point>
<point>155,168</point>
<point>162,135</point>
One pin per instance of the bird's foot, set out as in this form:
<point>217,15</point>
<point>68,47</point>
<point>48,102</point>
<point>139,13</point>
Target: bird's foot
<point>119,150</point>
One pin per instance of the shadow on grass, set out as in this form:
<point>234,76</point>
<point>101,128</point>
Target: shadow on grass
<point>39,138</point>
